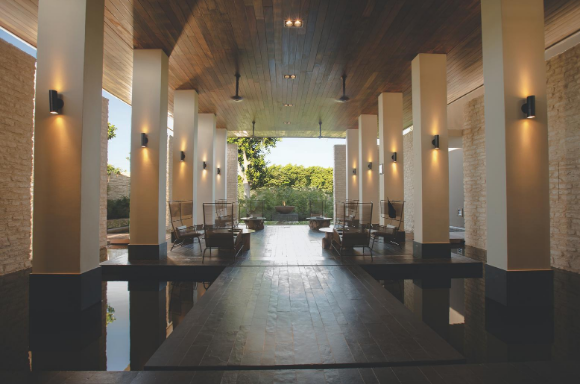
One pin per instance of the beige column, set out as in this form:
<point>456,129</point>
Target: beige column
<point>204,177</point>
<point>66,145</point>
<point>184,127</point>
<point>368,187</point>
<point>390,143</point>
<point>148,162</point>
<point>431,175</point>
<point>352,164</point>
<point>221,163</point>
<point>518,215</point>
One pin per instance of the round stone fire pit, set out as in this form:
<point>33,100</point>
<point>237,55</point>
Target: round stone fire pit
<point>284,208</point>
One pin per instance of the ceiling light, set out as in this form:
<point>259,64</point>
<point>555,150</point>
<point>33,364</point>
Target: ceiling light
<point>289,23</point>
<point>291,77</point>
<point>298,23</point>
<point>253,127</point>
<point>237,97</point>
<point>287,122</point>
<point>344,98</point>
<point>288,105</point>
<point>293,23</point>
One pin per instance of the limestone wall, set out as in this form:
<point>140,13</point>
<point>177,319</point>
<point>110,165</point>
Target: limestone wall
<point>408,181</point>
<point>339,173</point>
<point>103,196</point>
<point>16,140</point>
<point>232,172</point>
<point>474,174</point>
<point>119,186</point>
<point>563,77</point>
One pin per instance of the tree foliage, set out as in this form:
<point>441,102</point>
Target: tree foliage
<point>112,133</point>
<point>298,176</point>
<point>252,165</point>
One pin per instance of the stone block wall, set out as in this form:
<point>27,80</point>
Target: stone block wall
<point>17,71</point>
<point>563,72</point>
<point>408,182</point>
<point>475,207</point>
<point>339,173</point>
<point>232,172</point>
<point>119,186</point>
<point>563,77</point>
<point>103,195</point>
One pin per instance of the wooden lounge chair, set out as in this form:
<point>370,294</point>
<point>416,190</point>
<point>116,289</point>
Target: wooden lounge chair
<point>356,230</point>
<point>183,230</point>
<point>392,213</point>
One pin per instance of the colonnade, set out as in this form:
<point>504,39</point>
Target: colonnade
<point>66,190</point>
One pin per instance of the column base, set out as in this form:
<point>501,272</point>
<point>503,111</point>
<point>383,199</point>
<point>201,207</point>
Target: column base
<point>68,292</point>
<point>519,288</point>
<point>431,250</point>
<point>147,251</point>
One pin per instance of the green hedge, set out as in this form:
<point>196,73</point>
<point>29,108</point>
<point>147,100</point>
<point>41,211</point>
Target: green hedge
<point>118,209</point>
<point>299,198</point>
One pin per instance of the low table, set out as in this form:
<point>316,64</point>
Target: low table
<point>256,223</point>
<point>327,239</point>
<point>315,223</point>
<point>246,238</point>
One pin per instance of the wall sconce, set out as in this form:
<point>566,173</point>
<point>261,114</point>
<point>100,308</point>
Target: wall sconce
<point>354,171</point>
<point>144,140</point>
<point>182,156</point>
<point>394,157</point>
<point>435,141</point>
<point>219,171</point>
<point>370,165</point>
<point>204,165</point>
<point>55,103</point>
<point>529,107</point>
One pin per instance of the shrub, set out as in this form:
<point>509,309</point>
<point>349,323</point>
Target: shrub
<point>299,198</point>
<point>118,209</point>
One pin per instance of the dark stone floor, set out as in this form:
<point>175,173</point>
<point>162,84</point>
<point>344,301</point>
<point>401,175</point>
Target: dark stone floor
<point>309,316</point>
<point>504,373</point>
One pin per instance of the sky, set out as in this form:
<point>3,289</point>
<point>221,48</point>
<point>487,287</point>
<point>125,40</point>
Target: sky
<point>306,152</point>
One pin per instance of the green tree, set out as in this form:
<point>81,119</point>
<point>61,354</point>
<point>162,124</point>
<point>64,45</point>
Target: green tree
<point>298,176</point>
<point>112,133</point>
<point>252,165</point>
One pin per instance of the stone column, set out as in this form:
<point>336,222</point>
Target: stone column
<point>518,214</point>
<point>352,164</point>
<point>204,176</point>
<point>67,156</point>
<point>148,160</point>
<point>184,128</point>
<point>368,159</point>
<point>221,164</point>
<point>431,176</point>
<point>391,184</point>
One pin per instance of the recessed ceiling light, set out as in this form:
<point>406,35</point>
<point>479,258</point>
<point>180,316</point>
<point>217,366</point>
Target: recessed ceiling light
<point>287,122</point>
<point>288,105</point>
<point>291,77</point>
<point>293,23</point>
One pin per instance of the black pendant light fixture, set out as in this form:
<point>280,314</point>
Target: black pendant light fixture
<point>237,97</point>
<point>253,127</point>
<point>320,129</point>
<point>344,98</point>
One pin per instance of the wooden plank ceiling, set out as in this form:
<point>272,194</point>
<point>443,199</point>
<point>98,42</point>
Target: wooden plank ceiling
<point>371,41</point>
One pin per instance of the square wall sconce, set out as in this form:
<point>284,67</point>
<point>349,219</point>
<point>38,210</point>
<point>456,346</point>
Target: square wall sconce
<point>381,169</point>
<point>204,165</point>
<point>354,171</point>
<point>55,103</point>
<point>394,157</point>
<point>182,156</point>
<point>370,165</point>
<point>435,141</point>
<point>144,140</point>
<point>529,107</point>
<point>219,171</point>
